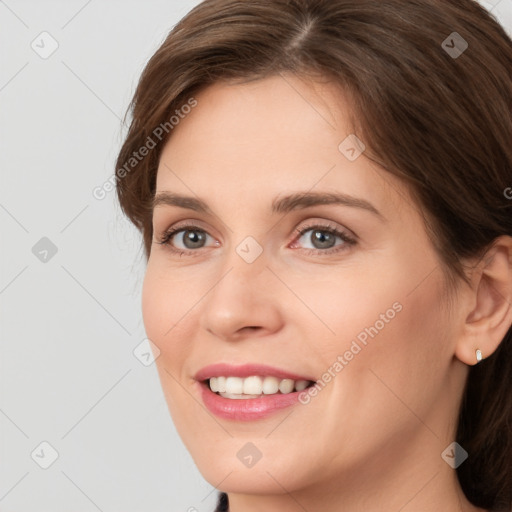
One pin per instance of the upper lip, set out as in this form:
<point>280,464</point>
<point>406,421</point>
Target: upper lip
<point>246,370</point>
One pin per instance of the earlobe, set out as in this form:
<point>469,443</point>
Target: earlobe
<point>468,358</point>
<point>490,315</point>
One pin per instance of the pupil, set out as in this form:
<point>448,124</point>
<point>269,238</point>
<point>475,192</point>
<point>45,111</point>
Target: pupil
<point>322,239</point>
<point>193,239</point>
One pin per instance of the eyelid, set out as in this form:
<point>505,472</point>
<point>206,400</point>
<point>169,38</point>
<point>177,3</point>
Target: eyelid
<point>325,225</point>
<point>348,237</point>
<point>164,237</point>
<point>189,223</point>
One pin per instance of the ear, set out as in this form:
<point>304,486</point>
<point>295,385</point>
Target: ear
<point>488,315</point>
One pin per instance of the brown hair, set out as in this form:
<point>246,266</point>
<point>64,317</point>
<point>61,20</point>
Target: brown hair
<point>439,120</point>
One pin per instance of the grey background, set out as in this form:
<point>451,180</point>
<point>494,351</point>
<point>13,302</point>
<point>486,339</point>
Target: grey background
<point>70,320</point>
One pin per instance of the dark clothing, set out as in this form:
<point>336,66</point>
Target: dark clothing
<point>222,504</point>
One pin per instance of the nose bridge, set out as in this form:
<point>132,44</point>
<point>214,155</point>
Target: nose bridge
<point>243,273</point>
<point>243,295</point>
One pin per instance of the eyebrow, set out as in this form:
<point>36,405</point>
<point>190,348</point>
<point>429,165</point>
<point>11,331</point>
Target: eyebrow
<point>284,204</point>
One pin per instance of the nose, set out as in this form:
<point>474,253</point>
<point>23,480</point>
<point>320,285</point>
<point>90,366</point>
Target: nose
<point>243,302</point>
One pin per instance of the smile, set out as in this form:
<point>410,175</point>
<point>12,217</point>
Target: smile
<point>236,388</point>
<point>249,392</point>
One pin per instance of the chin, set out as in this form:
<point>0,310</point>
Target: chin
<point>249,481</point>
<point>267,476</point>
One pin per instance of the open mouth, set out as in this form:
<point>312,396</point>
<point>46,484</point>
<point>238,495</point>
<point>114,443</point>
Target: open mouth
<point>255,386</point>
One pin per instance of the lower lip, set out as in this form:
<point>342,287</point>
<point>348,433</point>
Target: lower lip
<point>247,409</point>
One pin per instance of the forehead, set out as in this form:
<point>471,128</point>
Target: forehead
<point>273,114</point>
<point>258,124</point>
<point>261,138</point>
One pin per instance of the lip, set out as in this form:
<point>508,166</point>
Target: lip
<point>247,370</point>
<point>249,409</point>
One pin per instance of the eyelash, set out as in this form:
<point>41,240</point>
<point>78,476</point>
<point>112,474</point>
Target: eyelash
<point>349,241</point>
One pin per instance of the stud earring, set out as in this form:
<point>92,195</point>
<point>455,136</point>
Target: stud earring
<point>478,355</point>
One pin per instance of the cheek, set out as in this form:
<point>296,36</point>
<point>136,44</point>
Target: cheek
<point>164,312</point>
<point>164,309</point>
<point>397,350</point>
<point>155,300</point>
<point>156,304</point>
<point>165,303</point>
<point>391,344</point>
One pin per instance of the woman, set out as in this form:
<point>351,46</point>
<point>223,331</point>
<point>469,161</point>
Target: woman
<point>323,189</point>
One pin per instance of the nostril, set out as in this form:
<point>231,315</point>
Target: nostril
<point>251,327</point>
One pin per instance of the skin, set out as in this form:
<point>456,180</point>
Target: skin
<point>371,440</point>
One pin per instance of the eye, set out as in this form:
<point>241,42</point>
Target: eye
<point>185,238</point>
<point>323,239</point>
<point>313,239</point>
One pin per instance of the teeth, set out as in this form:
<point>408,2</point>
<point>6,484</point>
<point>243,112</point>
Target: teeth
<point>221,384</point>
<point>270,386</point>
<point>234,385</point>
<point>254,386</point>
<point>300,385</point>
<point>286,386</point>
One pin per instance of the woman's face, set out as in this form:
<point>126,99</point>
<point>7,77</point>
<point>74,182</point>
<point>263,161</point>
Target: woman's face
<point>355,302</point>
